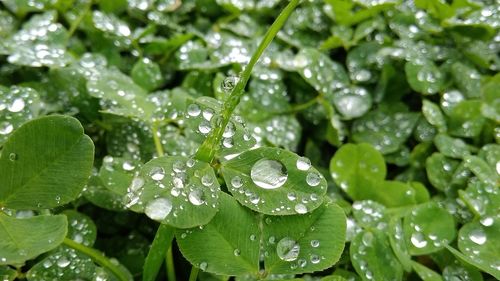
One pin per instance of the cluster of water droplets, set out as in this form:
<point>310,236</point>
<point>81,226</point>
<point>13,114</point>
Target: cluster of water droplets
<point>39,43</point>
<point>370,214</point>
<point>290,250</point>
<point>112,27</point>
<point>281,130</point>
<point>65,263</point>
<point>17,105</point>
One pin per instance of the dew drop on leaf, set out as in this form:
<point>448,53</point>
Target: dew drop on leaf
<point>63,262</point>
<point>418,240</point>
<point>6,128</point>
<point>300,208</point>
<point>237,252</point>
<point>315,243</point>
<point>12,156</point>
<point>477,236</point>
<point>315,259</point>
<point>236,182</point>
<point>196,197</point>
<point>203,266</point>
<point>303,164</point>
<point>157,173</point>
<point>269,174</point>
<point>158,209</point>
<point>193,110</point>
<point>313,179</point>
<point>229,83</point>
<point>288,249</point>
<point>486,221</point>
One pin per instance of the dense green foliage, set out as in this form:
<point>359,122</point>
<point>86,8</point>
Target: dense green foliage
<point>261,139</point>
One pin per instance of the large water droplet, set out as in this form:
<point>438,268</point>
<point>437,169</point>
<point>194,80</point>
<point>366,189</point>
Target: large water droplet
<point>315,259</point>
<point>157,173</point>
<point>158,209</point>
<point>418,240</point>
<point>477,236</point>
<point>6,128</point>
<point>487,221</point>
<point>203,266</point>
<point>288,249</point>
<point>196,197</point>
<point>207,180</point>
<point>303,164</point>
<point>300,208</point>
<point>193,110</point>
<point>63,262</point>
<point>313,179</point>
<point>17,105</point>
<point>229,83</point>
<point>269,174</point>
<point>236,182</point>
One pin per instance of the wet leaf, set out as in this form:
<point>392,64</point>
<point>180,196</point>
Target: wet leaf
<point>45,163</point>
<point>274,181</point>
<point>20,243</point>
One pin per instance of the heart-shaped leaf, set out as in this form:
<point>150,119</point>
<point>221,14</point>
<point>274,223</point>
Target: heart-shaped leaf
<point>274,181</point>
<point>45,163</point>
<point>175,190</point>
<point>20,243</point>
<point>288,244</point>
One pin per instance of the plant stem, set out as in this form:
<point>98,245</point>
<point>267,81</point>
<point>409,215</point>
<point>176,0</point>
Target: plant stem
<point>156,255</point>
<point>99,258</point>
<point>194,273</point>
<point>78,20</point>
<point>207,150</point>
<point>169,261</point>
<point>156,138</point>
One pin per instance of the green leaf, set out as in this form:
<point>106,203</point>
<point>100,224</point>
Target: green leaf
<point>96,192</point>
<point>385,129</point>
<point>465,119</point>
<point>291,244</point>
<point>425,273</point>
<point>274,181</point>
<point>372,257</point>
<point>467,79</point>
<point>320,71</point>
<point>352,102</point>
<point>428,228</point>
<point>434,115</point>
<point>462,270</point>
<point>41,42</point>
<point>147,74</point>
<point>388,193</point>
<point>481,198</point>
<point>120,94</point>
<point>398,243</point>
<point>479,241</point>
<point>178,191</point>
<point>7,273</point>
<point>490,107</point>
<point>156,255</point>
<point>440,170</point>
<point>424,76</point>
<point>451,147</point>
<point>299,244</point>
<point>221,247</point>
<point>45,163</point>
<point>20,243</point>
<point>482,170</point>
<point>370,214</point>
<point>81,228</point>
<point>354,162</point>
<point>17,105</point>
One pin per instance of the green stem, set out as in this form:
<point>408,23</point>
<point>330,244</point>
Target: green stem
<point>169,261</point>
<point>77,21</point>
<point>299,107</point>
<point>99,258</point>
<point>156,255</point>
<point>194,273</point>
<point>156,138</point>
<point>207,150</point>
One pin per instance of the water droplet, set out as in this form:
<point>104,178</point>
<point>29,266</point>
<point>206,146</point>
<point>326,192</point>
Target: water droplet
<point>196,197</point>
<point>303,164</point>
<point>254,199</point>
<point>315,243</point>
<point>178,166</point>
<point>158,209</point>
<point>6,128</point>
<point>477,236</point>
<point>193,110</point>
<point>291,196</point>
<point>269,174</point>
<point>288,249</point>
<point>204,127</point>
<point>313,179</point>
<point>208,114</point>
<point>128,166</point>
<point>237,252</point>
<point>302,263</point>
<point>157,173</point>
<point>207,180</point>
<point>300,208</point>
<point>63,262</point>
<point>418,240</point>
<point>47,263</point>
<point>315,259</point>
<point>236,182</point>
<point>229,131</point>
<point>12,156</point>
<point>203,266</point>
<point>367,239</point>
<point>136,184</point>
<point>253,237</point>
<point>487,221</point>
<point>229,83</point>
<point>17,105</point>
